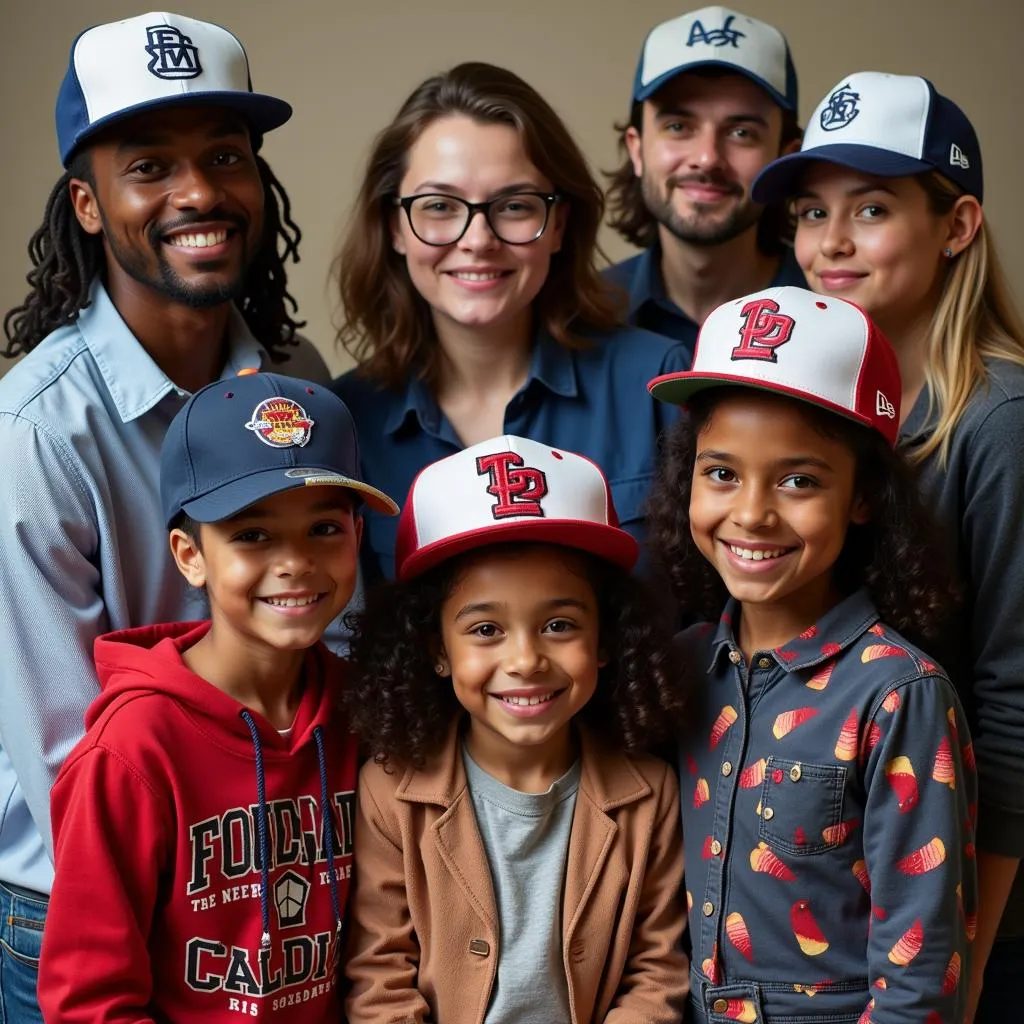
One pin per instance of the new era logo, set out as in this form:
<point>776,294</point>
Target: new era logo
<point>883,407</point>
<point>957,158</point>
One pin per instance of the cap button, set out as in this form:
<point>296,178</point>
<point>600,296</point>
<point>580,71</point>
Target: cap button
<point>247,371</point>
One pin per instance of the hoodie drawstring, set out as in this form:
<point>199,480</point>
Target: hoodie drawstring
<point>328,825</point>
<point>261,827</point>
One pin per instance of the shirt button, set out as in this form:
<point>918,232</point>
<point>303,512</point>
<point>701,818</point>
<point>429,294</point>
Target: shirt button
<point>768,814</point>
<point>720,1005</point>
<point>716,847</point>
<point>764,663</point>
<point>735,657</point>
<point>708,908</point>
<point>727,768</point>
<point>795,773</point>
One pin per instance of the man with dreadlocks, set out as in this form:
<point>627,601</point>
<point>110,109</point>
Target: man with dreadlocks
<point>159,267</point>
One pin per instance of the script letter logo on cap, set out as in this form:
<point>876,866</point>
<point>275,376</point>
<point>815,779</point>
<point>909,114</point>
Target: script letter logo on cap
<point>519,488</point>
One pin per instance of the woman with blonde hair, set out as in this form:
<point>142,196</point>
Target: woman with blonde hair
<point>887,191</point>
<point>474,307</point>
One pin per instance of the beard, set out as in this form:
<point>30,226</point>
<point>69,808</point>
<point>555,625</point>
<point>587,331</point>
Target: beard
<point>700,227</point>
<point>163,278</point>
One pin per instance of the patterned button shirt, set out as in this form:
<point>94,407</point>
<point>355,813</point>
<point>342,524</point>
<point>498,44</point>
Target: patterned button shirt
<point>828,795</point>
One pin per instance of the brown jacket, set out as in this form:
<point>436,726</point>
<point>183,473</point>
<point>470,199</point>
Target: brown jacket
<point>424,943</point>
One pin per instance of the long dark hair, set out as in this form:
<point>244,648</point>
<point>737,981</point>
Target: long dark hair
<point>387,327</point>
<point>66,260</point>
<point>402,711</point>
<point>897,553</point>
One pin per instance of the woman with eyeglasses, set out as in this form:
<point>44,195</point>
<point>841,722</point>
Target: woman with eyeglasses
<point>473,305</point>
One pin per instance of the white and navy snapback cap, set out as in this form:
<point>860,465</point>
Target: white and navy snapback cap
<point>122,68</point>
<point>817,349</point>
<point>504,490</point>
<point>886,125</point>
<point>717,37</point>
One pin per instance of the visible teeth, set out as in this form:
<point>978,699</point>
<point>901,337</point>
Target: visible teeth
<point>756,556</point>
<point>199,240</point>
<point>466,275</point>
<point>291,602</point>
<point>527,701</point>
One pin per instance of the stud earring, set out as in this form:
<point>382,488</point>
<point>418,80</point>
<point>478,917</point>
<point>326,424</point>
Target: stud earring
<point>948,253</point>
<point>439,669</point>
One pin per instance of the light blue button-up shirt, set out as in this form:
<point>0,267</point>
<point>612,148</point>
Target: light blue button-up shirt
<point>83,547</point>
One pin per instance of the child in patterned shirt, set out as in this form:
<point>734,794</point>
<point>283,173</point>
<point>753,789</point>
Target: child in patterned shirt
<point>829,783</point>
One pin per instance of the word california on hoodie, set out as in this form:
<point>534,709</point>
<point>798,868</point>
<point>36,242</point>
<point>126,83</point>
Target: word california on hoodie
<point>196,880</point>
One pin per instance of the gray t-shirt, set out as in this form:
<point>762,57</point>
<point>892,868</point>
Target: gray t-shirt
<point>526,837</point>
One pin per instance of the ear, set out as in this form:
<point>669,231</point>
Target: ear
<point>634,147</point>
<point>188,558</point>
<point>964,223</point>
<point>397,239</point>
<point>860,512</point>
<point>793,146</point>
<point>357,523</point>
<point>442,665</point>
<point>85,205</point>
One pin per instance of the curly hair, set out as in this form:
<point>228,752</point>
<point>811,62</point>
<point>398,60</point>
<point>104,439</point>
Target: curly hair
<point>387,327</point>
<point>628,213</point>
<point>897,554</point>
<point>66,260</point>
<point>402,712</point>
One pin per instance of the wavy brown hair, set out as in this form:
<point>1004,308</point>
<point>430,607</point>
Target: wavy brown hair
<point>897,554</point>
<point>628,213</point>
<point>387,325</point>
<point>402,711</point>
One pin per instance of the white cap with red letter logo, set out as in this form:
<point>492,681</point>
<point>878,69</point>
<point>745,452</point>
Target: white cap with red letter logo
<point>825,351</point>
<point>503,490</point>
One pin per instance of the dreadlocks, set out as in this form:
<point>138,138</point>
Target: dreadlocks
<point>66,260</point>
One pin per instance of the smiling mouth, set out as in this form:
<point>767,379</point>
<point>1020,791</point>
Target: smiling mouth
<point>292,602</point>
<point>469,275</point>
<point>761,555</point>
<point>197,239</point>
<point>522,702</point>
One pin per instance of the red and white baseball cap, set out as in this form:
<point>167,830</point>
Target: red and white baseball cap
<point>508,489</point>
<point>818,349</point>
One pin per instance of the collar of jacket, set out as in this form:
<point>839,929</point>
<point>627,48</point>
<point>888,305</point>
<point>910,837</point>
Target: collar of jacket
<point>607,778</point>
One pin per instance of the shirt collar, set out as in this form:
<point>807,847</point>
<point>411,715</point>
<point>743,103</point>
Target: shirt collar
<point>135,382</point>
<point>551,365</point>
<point>918,421</point>
<point>647,284</point>
<point>836,630</point>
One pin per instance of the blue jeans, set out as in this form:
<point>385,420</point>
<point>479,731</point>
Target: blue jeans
<point>22,914</point>
<point>1001,993</point>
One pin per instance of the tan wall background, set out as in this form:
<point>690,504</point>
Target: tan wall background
<point>346,67</point>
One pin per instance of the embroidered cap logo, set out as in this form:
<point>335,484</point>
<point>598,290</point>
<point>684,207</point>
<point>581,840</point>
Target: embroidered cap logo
<point>958,158</point>
<point>840,109</point>
<point>518,488</point>
<point>724,36</point>
<point>883,407</point>
<point>280,423</point>
<point>764,330</point>
<point>173,53</point>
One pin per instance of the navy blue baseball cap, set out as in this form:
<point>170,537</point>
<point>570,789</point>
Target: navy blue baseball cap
<point>123,68</point>
<point>886,125</point>
<point>246,438</point>
<point>717,37</point>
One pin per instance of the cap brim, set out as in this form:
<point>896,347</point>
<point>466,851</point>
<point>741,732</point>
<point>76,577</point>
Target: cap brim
<point>678,388</point>
<point>262,113</point>
<point>645,92</point>
<point>233,497</point>
<point>607,542</point>
<point>780,180</point>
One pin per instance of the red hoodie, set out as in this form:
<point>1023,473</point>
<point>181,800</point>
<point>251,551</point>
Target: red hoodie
<point>161,908</point>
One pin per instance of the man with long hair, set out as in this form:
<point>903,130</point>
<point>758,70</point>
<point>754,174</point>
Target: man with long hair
<point>158,268</point>
<point>714,101</point>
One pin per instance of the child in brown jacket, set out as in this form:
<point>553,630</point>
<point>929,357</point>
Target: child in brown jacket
<point>519,859</point>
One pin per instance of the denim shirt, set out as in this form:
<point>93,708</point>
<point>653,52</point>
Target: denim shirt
<point>83,546</point>
<point>593,401</point>
<point>650,307</point>
<point>828,795</point>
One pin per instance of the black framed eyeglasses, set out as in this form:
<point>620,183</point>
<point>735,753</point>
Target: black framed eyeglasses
<point>516,218</point>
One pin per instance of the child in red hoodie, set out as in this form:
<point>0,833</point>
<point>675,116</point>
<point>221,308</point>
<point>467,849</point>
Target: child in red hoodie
<point>203,826</point>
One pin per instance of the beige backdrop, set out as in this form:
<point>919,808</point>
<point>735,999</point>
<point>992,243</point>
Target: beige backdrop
<point>346,67</point>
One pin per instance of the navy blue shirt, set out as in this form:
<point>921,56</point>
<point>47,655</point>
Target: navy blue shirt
<point>828,797</point>
<point>593,401</point>
<point>651,308</point>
